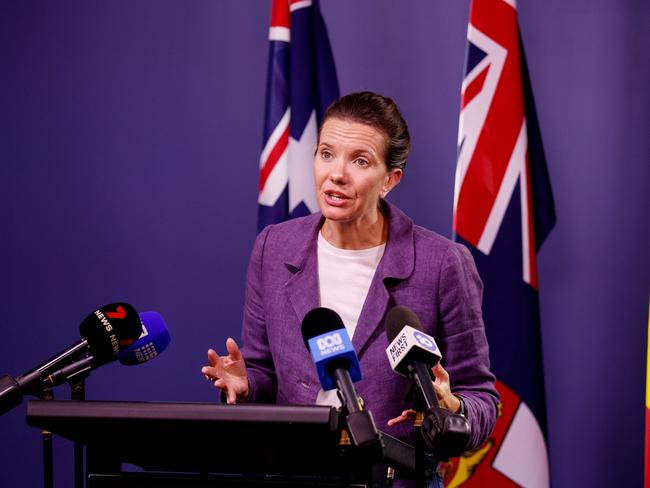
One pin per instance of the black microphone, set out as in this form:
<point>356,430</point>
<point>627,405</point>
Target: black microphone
<point>338,366</point>
<point>104,333</point>
<point>413,353</point>
<point>154,339</point>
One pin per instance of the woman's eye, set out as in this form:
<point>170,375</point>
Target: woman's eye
<point>361,162</point>
<point>326,155</point>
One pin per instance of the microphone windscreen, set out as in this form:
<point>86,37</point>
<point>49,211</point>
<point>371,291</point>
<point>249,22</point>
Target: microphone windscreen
<point>407,342</point>
<point>110,329</point>
<point>319,321</point>
<point>154,339</point>
<point>330,346</point>
<point>399,317</point>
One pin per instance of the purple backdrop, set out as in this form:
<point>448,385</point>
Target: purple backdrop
<point>129,144</point>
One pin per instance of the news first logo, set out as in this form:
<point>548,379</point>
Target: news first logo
<point>398,347</point>
<point>425,341</point>
<point>407,339</point>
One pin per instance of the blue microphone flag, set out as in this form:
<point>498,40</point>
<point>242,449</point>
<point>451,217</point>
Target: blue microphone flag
<point>331,349</point>
<point>154,339</point>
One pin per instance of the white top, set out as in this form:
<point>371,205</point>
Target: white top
<point>344,277</point>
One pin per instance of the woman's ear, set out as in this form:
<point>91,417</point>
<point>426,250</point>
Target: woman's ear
<point>394,177</point>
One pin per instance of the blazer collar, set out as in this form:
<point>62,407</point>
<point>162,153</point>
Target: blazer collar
<point>397,263</point>
<point>302,262</point>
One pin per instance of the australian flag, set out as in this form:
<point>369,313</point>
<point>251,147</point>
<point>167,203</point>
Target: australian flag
<point>503,211</point>
<point>301,84</point>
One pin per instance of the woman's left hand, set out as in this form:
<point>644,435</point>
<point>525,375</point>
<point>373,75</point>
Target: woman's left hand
<point>446,398</point>
<point>443,389</point>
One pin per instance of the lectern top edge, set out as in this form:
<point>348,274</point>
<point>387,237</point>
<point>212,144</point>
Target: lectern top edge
<point>179,411</point>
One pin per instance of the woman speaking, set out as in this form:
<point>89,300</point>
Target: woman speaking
<point>359,256</point>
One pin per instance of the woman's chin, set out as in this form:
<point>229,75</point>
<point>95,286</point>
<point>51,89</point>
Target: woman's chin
<point>336,215</point>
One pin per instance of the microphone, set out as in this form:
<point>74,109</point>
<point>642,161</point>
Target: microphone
<point>329,343</point>
<point>338,367</point>
<point>154,339</point>
<point>412,353</point>
<point>104,333</point>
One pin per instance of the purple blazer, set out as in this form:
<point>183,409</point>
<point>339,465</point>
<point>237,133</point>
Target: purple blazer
<point>431,275</point>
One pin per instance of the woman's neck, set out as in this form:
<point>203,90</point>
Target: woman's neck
<point>365,234</point>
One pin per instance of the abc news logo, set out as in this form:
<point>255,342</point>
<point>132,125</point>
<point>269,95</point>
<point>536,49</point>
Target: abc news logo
<point>329,344</point>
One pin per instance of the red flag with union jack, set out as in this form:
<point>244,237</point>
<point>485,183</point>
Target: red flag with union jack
<point>301,83</point>
<point>503,211</point>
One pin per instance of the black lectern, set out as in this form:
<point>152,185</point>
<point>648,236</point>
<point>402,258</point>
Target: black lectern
<point>197,445</point>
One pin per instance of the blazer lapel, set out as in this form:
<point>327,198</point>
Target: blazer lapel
<point>302,286</point>
<point>396,264</point>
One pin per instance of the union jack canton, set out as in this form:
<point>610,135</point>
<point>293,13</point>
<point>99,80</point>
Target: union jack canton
<point>301,83</point>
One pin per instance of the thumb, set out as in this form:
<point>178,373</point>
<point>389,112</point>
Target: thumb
<point>440,373</point>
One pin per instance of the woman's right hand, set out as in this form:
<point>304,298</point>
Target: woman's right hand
<point>228,372</point>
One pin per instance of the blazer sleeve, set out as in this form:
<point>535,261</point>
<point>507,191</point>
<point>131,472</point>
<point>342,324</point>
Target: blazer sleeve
<point>463,342</point>
<point>256,351</point>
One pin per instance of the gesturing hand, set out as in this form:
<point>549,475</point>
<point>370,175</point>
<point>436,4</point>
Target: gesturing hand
<point>446,398</point>
<point>443,389</point>
<point>228,372</point>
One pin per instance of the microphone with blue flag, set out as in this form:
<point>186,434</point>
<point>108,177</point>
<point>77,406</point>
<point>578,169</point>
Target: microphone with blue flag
<point>329,343</point>
<point>154,339</point>
<point>338,367</point>
<point>115,331</point>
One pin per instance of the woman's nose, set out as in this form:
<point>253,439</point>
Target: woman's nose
<point>338,171</point>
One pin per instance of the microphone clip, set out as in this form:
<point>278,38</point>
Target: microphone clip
<point>362,429</point>
<point>445,434</point>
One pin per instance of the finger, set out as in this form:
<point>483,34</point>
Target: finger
<point>405,415</point>
<point>213,357</point>
<point>232,397</point>
<point>209,372</point>
<point>440,373</point>
<point>397,420</point>
<point>233,349</point>
<point>409,414</point>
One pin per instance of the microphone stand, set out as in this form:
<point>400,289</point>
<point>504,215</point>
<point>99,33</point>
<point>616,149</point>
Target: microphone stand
<point>361,429</point>
<point>78,392</point>
<point>48,457</point>
<point>424,397</point>
<point>75,375</point>
<point>77,382</point>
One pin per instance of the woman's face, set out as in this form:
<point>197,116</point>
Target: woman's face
<point>350,171</point>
